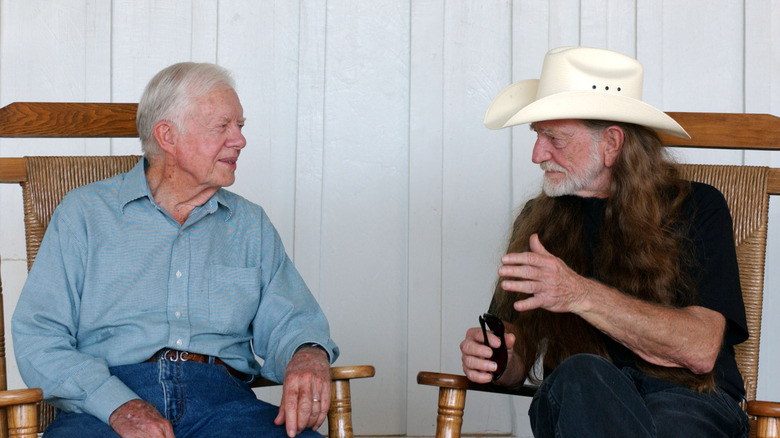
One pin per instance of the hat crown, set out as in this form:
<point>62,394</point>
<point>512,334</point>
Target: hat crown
<point>589,69</point>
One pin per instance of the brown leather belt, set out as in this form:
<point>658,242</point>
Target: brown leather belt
<point>171,355</point>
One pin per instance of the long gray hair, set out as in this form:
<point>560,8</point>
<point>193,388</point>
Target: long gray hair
<point>169,94</point>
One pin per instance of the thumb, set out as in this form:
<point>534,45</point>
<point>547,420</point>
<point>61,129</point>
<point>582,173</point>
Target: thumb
<point>536,245</point>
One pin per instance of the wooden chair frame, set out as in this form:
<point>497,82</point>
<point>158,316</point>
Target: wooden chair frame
<point>50,120</point>
<point>708,130</point>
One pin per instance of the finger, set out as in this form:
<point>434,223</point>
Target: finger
<point>324,405</point>
<point>473,334</point>
<point>527,272</point>
<point>469,347</point>
<point>279,420</point>
<point>528,304</point>
<point>479,365</point>
<point>510,340</point>
<point>291,415</point>
<point>478,376</point>
<point>306,406</point>
<point>525,287</point>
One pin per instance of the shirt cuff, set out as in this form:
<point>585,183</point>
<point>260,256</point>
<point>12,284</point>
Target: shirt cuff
<point>109,396</point>
<point>314,345</point>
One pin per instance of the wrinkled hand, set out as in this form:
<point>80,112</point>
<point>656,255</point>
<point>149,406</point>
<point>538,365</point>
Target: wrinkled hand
<point>475,355</point>
<point>306,391</point>
<point>139,419</point>
<point>549,283</point>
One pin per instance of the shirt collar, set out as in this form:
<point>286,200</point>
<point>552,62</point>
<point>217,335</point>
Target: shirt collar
<point>134,187</point>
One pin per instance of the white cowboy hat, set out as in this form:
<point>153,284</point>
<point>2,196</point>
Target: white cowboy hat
<point>581,83</point>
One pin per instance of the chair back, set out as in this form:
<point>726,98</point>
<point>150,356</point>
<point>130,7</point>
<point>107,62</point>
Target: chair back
<point>50,178</point>
<point>745,190</point>
<point>46,180</point>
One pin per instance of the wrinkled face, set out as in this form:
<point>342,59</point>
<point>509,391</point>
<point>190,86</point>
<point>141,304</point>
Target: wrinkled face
<point>211,140</point>
<point>571,159</point>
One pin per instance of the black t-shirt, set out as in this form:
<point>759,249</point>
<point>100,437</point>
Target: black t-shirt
<point>715,274</point>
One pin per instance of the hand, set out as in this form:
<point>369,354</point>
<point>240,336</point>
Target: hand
<point>475,355</point>
<point>305,392</point>
<point>139,419</point>
<point>549,283</point>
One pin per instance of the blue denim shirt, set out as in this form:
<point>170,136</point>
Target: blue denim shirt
<point>117,278</point>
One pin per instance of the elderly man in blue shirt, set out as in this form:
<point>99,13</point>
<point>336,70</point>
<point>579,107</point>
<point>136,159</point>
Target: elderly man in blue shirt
<point>154,290</point>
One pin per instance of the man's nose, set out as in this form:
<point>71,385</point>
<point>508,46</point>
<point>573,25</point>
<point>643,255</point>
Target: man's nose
<point>237,139</point>
<point>541,151</point>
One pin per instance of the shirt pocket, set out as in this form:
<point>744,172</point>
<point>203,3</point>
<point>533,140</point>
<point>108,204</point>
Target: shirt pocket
<point>233,297</point>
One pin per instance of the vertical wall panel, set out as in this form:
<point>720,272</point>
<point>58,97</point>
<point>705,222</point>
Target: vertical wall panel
<point>426,118</point>
<point>310,134</point>
<point>365,197</point>
<point>697,41</point>
<point>762,95</point>
<point>260,45</point>
<point>67,39</point>
<point>476,181</point>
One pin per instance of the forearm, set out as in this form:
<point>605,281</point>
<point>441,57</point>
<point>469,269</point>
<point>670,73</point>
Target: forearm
<point>70,380</point>
<point>688,337</point>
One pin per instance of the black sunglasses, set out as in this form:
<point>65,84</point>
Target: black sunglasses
<point>499,356</point>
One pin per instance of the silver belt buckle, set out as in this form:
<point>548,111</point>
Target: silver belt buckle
<point>175,356</point>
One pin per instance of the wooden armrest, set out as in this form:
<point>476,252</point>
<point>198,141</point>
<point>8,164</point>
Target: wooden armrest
<point>763,408</point>
<point>336,373</point>
<point>340,412</point>
<point>351,372</point>
<point>767,418</point>
<point>20,396</point>
<point>454,381</point>
<point>452,398</point>
<point>22,411</point>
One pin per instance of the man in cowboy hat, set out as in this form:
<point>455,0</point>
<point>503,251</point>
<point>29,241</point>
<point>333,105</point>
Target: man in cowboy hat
<point>619,290</point>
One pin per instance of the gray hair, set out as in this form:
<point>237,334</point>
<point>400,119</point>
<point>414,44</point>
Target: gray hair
<point>169,94</point>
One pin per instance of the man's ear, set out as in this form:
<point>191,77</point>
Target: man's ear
<point>613,136</point>
<point>165,134</point>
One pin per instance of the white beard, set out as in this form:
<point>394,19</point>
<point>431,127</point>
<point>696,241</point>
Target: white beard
<point>575,181</point>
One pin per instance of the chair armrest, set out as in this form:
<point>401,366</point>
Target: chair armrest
<point>767,415</point>
<point>336,373</point>
<point>452,398</point>
<point>454,381</point>
<point>22,411</point>
<point>20,396</point>
<point>340,412</point>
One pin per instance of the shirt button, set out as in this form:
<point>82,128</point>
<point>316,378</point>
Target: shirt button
<point>179,342</point>
<point>178,274</point>
<point>177,314</point>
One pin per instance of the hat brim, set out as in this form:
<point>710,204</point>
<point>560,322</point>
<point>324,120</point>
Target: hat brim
<point>516,105</point>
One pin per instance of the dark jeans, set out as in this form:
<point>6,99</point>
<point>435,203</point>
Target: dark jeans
<point>587,396</point>
<point>200,400</point>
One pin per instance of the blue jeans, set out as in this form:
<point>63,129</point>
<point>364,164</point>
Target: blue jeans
<point>200,400</point>
<point>587,396</point>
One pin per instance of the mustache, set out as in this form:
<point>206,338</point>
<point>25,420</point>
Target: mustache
<point>549,166</point>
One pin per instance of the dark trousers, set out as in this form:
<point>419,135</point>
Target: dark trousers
<point>200,400</point>
<point>587,396</point>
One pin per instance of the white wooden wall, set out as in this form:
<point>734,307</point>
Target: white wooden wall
<point>367,149</point>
